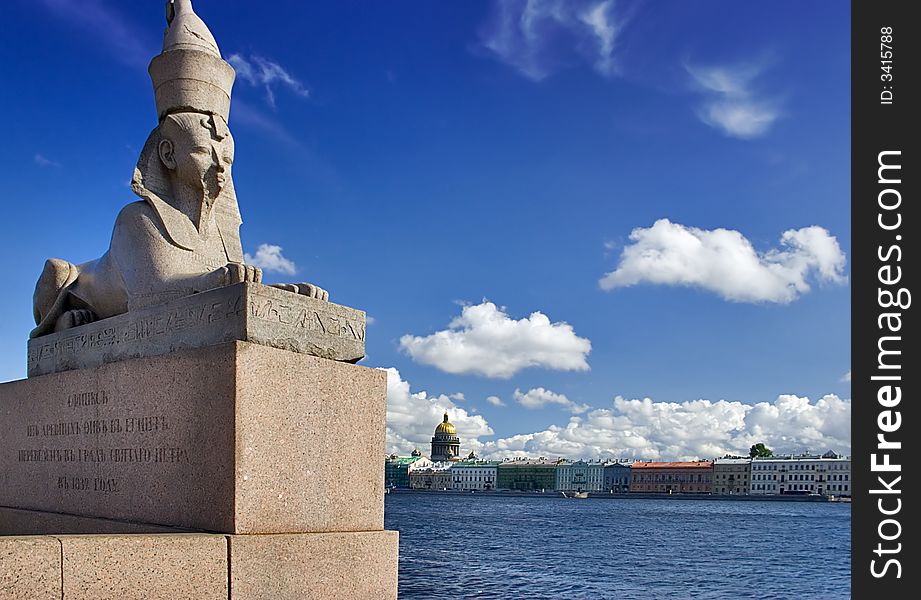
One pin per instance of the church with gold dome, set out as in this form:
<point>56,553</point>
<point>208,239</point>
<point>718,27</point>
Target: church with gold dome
<point>445,443</point>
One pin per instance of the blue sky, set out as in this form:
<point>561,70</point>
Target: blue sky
<point>665,183</point>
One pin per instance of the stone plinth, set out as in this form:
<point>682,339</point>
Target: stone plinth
<point>235,438</point>
<point>331,566</point>
<point>246,312</point>
<point>30,568</point>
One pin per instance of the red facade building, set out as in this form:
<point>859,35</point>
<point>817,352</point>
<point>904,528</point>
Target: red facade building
<point>672,477</point>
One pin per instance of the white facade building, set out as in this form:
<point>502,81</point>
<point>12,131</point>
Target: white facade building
<point>829,475</point>
<point>476,475</point>
<point>580,476</point>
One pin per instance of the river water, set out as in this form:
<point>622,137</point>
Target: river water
<point>477,546</point>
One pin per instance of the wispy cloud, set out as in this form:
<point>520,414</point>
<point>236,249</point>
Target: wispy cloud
<point>541,37</point>
<point>268,257</point>
<point>132,46</point>
<point>725,262</point>
<point>43,161</point>
<point>731,103</point>
<point>536,398</point>
<point>261,72</point>
<point>846,378</point>
<point>485,341</point>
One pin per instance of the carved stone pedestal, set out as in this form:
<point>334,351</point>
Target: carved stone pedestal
<point>272,457</point>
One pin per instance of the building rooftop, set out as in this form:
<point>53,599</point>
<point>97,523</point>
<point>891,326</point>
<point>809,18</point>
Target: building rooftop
<point>700,464</point>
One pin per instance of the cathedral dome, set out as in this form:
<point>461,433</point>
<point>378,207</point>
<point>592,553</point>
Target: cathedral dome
<point>446,427</point>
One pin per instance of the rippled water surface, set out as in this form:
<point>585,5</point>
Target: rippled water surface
<point>468,546</point>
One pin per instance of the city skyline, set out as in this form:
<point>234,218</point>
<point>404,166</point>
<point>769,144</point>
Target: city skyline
<point>606,227</point>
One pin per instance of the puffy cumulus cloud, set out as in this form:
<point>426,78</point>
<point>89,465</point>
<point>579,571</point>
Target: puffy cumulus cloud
<point>731,104</point>
<point>698,429</point>
<point>725,262</point>
<point>539,397</point>
<point>539,37</point>
<point>268,257</point>
<point>485,341</point>
<point>259,71</point>
<point>495,400</point>
<point>413,416</point>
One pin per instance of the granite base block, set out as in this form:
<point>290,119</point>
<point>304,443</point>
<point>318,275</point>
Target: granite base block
<point>323,566</point>
<point>327,566</point>
<point>232,438</point>
<point>189,566</point>
<point>30,568</point>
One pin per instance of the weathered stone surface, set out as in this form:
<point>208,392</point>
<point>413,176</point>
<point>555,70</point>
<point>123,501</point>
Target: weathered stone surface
<point>237,438</point>
<point>331,566</point>
<point>246,312</point>
<point>144,567</point>
<point>30,568</point>
<point>14,521</point>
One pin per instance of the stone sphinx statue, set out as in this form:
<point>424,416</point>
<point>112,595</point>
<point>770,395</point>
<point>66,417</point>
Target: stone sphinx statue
<point>182,236</point>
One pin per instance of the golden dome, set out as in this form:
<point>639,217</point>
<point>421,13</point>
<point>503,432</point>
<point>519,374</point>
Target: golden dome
<point>445,427</point>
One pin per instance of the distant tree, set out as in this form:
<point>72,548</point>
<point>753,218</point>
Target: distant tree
<point>759,450</point>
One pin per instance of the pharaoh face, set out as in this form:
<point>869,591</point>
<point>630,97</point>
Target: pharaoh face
<point>198,150</point>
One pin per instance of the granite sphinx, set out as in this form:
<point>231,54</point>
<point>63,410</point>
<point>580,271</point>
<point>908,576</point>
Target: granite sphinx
<point>182,237</point>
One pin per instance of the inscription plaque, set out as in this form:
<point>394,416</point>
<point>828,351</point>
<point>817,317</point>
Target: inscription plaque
<point>246,312</point>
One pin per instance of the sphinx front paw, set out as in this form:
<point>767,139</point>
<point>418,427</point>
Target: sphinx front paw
<point>74,318</point>
<point>304,289</point>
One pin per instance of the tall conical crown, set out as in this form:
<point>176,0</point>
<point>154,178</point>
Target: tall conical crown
<point>190,75</point>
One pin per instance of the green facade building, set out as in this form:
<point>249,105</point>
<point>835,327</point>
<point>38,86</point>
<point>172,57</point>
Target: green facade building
<point>527,474</point>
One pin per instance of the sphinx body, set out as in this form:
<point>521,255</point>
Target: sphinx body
<point>182,236</point>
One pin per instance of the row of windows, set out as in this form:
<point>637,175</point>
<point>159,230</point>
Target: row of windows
<point>802,466</point>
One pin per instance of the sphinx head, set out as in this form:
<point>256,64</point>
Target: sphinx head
<point>196,150</point>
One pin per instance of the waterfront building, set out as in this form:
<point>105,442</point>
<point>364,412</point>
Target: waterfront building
<point>436,476</point>
<point>445,443</point>
<point>472,474</point>
<point>616,478</point>
<point>538,474</point>
<point>580,476</point>
<point>732,476</point>
<point>828,475</point>
<point>672,477</point>
<point>398,468</point>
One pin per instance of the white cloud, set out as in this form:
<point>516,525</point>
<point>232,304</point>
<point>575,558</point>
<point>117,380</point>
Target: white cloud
<point>539,398</point>
<point>259,71</point>
<point>846,378</point>
<point>269,258</point>
<point>725,262</point>
<point>539,37</point>
<point>369,320</point>
<point>485,341</point>
<point>688,430</point>
<point>731,105</point>
<point>413,416</point>
<point>495,400</point>
<point>42,161</point>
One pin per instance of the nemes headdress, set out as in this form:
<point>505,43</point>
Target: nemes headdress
<point>190,75</point>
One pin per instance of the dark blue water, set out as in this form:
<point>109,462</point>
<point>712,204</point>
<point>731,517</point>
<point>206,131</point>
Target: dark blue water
<point>467,546</point>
